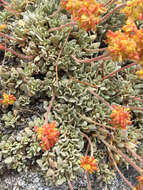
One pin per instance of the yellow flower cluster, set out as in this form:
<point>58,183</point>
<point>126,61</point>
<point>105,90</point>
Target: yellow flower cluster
<point>127,44</point>
<point>8,99</point>
<point>134,9</point>
<point>85,12</point>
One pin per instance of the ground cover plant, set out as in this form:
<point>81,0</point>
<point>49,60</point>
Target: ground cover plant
<point>71,88</point>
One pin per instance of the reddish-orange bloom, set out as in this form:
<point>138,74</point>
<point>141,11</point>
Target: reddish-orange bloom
<point>120,117</point>
<point>8,99</point>
<point>88,163</point>
<point>48,135</point>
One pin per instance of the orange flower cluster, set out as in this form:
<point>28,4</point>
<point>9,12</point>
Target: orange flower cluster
<point>48,134</point>
<point>134,9</point>
<point>8,99</point>
<point>120,117</point>
<point>127,44</point>
<point>85,12</point>
<point>140,185</point>
<point>88,163</point>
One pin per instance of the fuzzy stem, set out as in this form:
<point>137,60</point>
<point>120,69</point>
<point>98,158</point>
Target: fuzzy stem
<point>114,72</point>
<point>113,11</point>
<point>102,57</point>
<point>88,181</point>
<point>120,173</point>
<point>90,143</point>
<point>49,109</point>
<point>59,55</point>
<point>101,99</point>
<point>69,183</point>
<point>134,154</point>
<point>62,26</point>
<point>138,169</point>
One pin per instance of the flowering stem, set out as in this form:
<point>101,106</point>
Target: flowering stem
<point>114,72</point>
<point>61,53</point>
<point>94,122</point>
<point>113,11</point>
<point>120,173</point>
<point>95,50</point>
<point>136,98</point>
<point>69,183</point>
<point>101,99</point>
<point>134,154</point>
<point>90,143</point>
<point>78,81</point>
<point>138,169</point>
<point>49,109</point>
<point>62,26</point>
<point>135,108</point>
<point>88,181</point>
<point>102,57</point>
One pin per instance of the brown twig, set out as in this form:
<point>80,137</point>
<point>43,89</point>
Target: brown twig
<point>49,109</point>
<point>59,55</point>
<point>101,99</point>
<point>114,72</point>
<point>102,57</point>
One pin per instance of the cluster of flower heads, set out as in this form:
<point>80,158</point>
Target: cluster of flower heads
<point>88,163</point>
<point>48,135</point>
<point>120,117</point>
<point>85,12</point>
<point>126,44</point>
<point>8,99</point>
<point>134,9</point>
